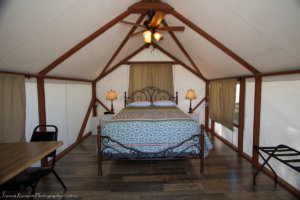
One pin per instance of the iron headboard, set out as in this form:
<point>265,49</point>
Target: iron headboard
<point>151,94</point>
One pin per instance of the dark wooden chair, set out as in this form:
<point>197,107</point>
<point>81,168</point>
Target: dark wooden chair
<point>32,175</point>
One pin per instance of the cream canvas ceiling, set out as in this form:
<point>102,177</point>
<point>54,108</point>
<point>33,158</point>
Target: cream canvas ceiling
<point>33,33</point>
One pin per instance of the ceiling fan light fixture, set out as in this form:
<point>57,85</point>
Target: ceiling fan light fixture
<point>147,36</point>
<point>157,36</point>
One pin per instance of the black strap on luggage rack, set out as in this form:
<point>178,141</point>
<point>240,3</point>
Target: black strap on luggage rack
<point>278,152</point>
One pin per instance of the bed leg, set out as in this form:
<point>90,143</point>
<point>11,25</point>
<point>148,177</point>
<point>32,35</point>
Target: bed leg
<point>202,150</point>
<point>99,151</point>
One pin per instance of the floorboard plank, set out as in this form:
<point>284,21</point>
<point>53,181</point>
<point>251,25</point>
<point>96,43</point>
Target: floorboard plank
<point>227,177</point>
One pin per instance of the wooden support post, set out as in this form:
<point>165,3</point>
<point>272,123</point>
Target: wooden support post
<point>41,100</point>
<point>207,105</point>
<point>94,96</point>
<point>256,121</point>
<point>42,110</point>
<point>99,151</point>
<point>241,116</point>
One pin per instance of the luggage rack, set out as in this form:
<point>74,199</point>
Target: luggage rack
<point>278,152</point>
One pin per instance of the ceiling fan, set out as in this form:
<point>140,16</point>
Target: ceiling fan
<point>152,26</point>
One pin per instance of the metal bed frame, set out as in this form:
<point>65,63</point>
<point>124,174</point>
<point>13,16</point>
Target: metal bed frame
<point>150,94</point>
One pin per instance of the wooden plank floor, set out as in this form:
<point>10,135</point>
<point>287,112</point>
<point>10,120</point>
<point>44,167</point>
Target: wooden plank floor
<point>227,176</point>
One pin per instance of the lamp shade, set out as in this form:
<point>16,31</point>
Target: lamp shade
<point>190,94</point>
<point>147,36</point>
<point>111,95</point>
<point>157,36</point>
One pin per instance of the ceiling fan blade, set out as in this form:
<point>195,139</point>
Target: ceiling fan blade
<point>157,18</point>
<point>133,24</point>
<point>171,28</point>
<point>137,33</point>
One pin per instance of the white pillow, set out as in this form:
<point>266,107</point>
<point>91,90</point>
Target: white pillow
<point>139,104</point>
<point>164,103</point>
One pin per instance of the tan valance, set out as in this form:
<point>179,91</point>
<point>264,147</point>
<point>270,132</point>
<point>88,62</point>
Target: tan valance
<point>158,75</point>
<point>12,108</point>
<point>222,101</point>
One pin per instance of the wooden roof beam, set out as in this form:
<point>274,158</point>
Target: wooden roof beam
<point>215,42</point>
<point>121,62</point>
<point>84,42</point>
<point>180,62</point>
<point>143,7</point>
<point>123,43</point>
<point>182,48</point>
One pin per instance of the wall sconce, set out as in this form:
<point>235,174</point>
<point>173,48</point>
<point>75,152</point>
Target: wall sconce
<point>190,94</point>
<point>111,95</point>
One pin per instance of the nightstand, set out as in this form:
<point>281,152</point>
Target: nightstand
<point>194,116</point>
<point>105,119</point>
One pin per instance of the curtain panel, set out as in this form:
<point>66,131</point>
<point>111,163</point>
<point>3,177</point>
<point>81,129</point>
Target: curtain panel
<point>222,101</point>
<point>158,75</point>
<point>12,108</point>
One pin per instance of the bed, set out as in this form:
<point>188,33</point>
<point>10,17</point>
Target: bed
<point>152,127</point>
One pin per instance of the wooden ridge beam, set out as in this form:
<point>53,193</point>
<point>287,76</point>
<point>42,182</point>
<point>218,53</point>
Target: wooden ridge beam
<point>177,60</point>
<point>84,42</point>
<point>122,44</point>
<point>143,7</point>
<point>121,62</point>
<point>215,42</point>
<point>182,48</point>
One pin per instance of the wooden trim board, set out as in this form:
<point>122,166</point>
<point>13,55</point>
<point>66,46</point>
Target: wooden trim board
<point>46,77</point>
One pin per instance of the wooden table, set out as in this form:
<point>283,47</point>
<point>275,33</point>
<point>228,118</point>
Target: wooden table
<point>16,157</point>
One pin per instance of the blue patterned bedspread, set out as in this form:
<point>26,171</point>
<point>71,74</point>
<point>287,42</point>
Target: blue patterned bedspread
<point>152,129</point>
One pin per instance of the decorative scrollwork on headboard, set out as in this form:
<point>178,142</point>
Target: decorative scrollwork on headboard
<point>151,94</point>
